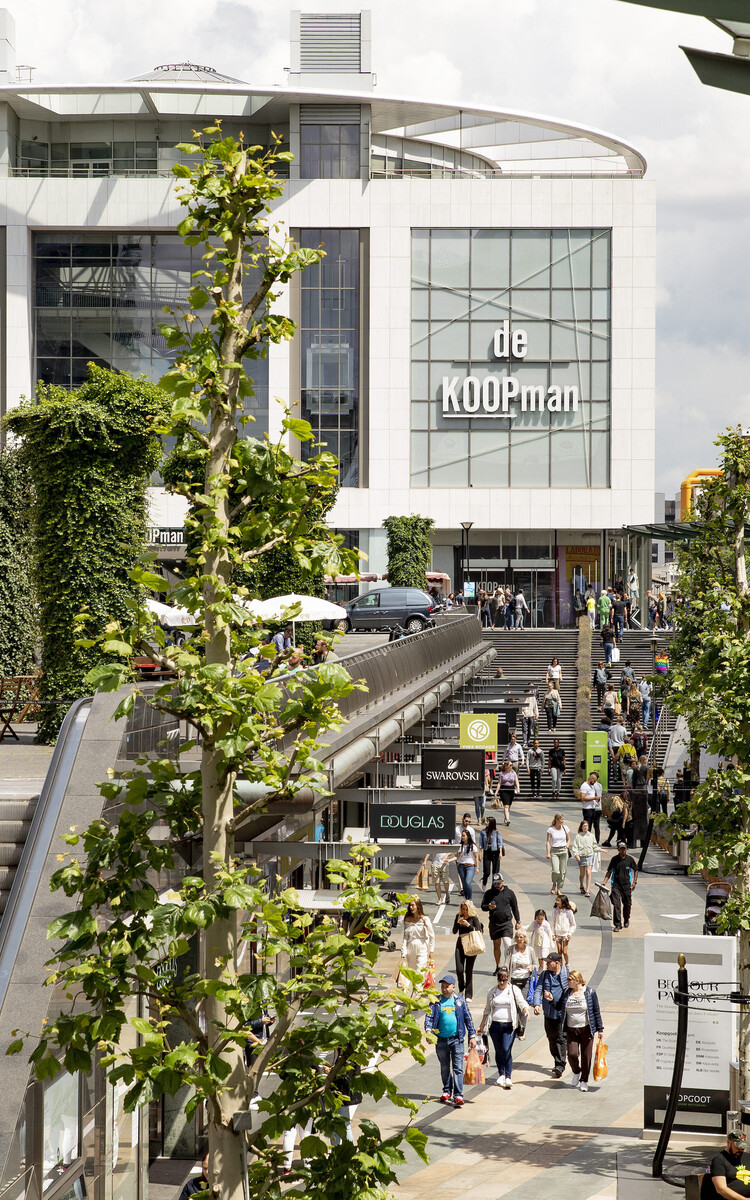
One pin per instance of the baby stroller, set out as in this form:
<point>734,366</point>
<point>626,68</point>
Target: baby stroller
<point>717,895</point>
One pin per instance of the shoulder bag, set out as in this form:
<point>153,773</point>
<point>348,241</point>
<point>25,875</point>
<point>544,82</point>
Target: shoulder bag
<point>472,943</point>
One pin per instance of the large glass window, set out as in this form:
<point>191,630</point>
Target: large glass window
<point>554,285</point>
<point>100,297</point>
<point>329,345</point>
<point>329,152</point>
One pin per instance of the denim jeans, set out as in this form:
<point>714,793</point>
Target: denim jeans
<point>466,872</point>
<point>450,1052</point>
<point>503,1036</point>
<point>619,627</point>
<point>608,648</point>
<point>346,1111</point>
<point>527,724</point>
<point>479,801</point>
<point>646,716</point>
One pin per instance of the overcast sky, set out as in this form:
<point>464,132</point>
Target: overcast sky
<point>605,63</point>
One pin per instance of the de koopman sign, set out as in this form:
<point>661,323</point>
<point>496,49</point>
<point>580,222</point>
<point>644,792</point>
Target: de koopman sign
<point>452,770</point>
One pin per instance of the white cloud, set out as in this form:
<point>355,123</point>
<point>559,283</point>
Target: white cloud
<point>602,63</point>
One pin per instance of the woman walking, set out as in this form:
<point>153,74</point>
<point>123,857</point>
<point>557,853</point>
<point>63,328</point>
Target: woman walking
<point>554,673</point>
<point>563,925</point>
<point>558,844</point>
<point>617,819</point>
<point>541,940</point>
<point>466,862</point>
<point>467,921</point>
<point>583,1023</point>
<point>657,788</point>
<point>491,845</point>
<point>584,849</point>
<point>418,943</point>
<point>535,764</point>
<point>552,705</point>
<point>507,787</point>
<point>522,962</point>
<point>556,767</point>
<point>600,681</point>
<point>504,1002</point>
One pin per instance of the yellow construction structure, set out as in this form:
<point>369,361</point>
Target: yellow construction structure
<point>689,486</point>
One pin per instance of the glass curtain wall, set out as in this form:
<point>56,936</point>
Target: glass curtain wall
<point>100,297</point>
<point>329,346</point>
<point>555,285</point>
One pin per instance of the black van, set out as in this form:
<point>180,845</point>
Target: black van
<point>386,607</point>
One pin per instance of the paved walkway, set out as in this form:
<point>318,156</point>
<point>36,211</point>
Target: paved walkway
<point>501,1142</point>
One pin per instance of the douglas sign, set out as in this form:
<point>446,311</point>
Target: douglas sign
<point>413,822</point>
<point>453,770</point>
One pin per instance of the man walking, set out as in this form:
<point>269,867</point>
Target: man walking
<point>521,608</point>
<point>501,903</point>
<point>604,606</point>
<point>622,876</point>
<point>529,714</point>
<point>514,754</point>
<point>549,997</point>
<point>608,642</point>
<point>590,795</point>
<point>618,611</point>
<point>450,1019</point>
<point>644,687</point>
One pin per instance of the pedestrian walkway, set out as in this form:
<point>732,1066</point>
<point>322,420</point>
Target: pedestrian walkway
<point>501,1143</point>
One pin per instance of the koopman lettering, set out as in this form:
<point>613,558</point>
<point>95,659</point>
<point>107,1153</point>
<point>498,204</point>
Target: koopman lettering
<point>492,395</point>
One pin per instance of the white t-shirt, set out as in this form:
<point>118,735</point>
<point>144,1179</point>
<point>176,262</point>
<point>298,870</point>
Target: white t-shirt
<point>554,673</point>
<point>558,837</point>
<point>501,1005</point>
<point>591,795</point>
<point>576,1013</point>
<point>467,854</point>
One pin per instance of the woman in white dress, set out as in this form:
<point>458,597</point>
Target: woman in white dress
<point>418,944</point>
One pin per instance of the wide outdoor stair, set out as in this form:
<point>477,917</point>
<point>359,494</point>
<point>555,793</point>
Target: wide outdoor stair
<point>525,655</point>
<point>635,647</point>
<point>15,822</point>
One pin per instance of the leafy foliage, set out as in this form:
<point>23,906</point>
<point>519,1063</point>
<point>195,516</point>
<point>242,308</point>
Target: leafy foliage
<point>90,453</point>
<point>134,911</point>
<point>709,674</point>
<point>409,550</point>
<point>583,698</point>
<point>18,624</point>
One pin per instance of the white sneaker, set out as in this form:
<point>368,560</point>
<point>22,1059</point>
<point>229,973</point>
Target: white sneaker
<point>576,1079</point>
<point>584,1087</point>
<point>508,1084</point>
<point>500,1081</point>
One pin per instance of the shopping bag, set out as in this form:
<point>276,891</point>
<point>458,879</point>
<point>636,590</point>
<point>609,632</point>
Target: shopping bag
<point>429,979</point>
<point>473,1070</point>
<point>602,906</point>
<point>472,943</point>
<point>600,1061</point>
<point>483,1048</point>
<point>615,654</point>
<point>532,986</point>
<point>596,864</point>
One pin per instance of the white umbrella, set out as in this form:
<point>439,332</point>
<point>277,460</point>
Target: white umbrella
<point>170,614</point>
<point>312,608</point>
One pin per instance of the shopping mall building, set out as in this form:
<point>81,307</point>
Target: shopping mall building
<point>477,345</point>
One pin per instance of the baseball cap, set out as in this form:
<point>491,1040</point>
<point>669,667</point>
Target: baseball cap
<point>447,979</point>
<point>554,957</point>
<point>497,878</point>
<point>625,844</point>
<point>738,1137</point>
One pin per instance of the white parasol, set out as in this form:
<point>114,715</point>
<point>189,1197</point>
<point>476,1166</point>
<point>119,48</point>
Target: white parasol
<point>169,614</point>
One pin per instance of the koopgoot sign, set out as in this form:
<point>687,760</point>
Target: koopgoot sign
<point>452,770</point>
<point>492,396</point>
<point>477,731</point>
<point>413,822</point>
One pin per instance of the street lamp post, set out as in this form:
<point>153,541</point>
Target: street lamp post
<point>466,526</point>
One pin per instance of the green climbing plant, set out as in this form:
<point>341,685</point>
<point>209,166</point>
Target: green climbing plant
<point>89,453</point>
<point>18,615</point>
<point>409,550</point>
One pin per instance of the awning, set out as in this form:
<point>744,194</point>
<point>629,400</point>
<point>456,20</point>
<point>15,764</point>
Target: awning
<point>668,531</point>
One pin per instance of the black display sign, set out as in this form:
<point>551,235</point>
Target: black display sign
<point>452,770</point>
<point>413,822</point>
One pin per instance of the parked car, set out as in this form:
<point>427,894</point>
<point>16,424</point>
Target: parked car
<point>383,608</point>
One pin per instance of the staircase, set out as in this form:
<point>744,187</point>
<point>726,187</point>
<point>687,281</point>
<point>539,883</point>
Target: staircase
<point>524,656</point>
<point>635,648</point>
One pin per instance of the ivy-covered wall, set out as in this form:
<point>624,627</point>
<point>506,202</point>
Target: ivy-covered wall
<point>18,614</point>
<point>90,453</point>
<point>409,550</point>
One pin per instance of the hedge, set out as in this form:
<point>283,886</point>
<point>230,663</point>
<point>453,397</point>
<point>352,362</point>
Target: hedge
<point>19,633</point>
<point>409,550</point>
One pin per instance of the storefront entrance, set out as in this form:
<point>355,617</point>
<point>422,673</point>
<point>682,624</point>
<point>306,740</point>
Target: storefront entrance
<point>539,590</point>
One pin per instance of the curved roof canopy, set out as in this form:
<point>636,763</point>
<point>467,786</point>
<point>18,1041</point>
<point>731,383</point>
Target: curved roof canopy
<point>515,142</point>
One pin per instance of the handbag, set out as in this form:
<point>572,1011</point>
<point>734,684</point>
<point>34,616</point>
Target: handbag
<point>532,986</point>
<point>600,1061</point>
<point>472,943</point>
<point>520,1025</point>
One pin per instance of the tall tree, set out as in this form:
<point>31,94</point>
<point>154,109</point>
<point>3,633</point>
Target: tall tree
<point>253,496</point>
<point>709,684</point>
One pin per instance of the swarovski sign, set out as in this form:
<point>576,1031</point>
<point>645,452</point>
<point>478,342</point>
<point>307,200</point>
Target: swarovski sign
<point>452,770</point>
<point>413,822</point>
<point>491,396</point>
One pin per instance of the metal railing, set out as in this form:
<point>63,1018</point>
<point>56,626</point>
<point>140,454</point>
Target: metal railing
<point>446,172</point>
<point>660,738</point>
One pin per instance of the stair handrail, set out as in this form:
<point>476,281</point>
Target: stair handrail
<point>660,739</point>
